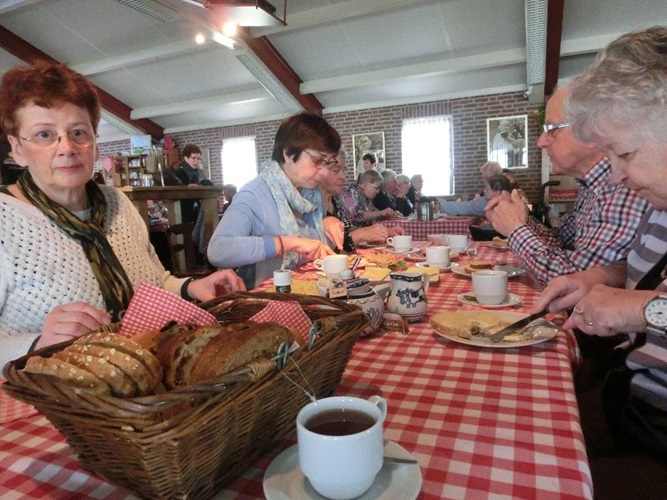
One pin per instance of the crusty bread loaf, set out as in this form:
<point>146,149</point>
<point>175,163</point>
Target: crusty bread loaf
<point>131,366</point>
<point>120,383</point>
<point>236,347</point>
<point>66,374</point>
<point>465,324</point>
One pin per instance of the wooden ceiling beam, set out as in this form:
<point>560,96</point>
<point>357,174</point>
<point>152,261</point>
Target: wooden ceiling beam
<point>23,50</point>
<point>276,64</point>
<point>554,37</point>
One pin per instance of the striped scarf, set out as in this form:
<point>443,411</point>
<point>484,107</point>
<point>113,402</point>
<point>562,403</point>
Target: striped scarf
<point>114,284</point>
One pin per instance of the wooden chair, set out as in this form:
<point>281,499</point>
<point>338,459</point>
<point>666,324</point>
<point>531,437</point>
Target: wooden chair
<point>183,252</point>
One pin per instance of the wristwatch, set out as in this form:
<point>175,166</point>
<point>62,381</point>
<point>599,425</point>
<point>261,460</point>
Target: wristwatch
<point>655,313</point>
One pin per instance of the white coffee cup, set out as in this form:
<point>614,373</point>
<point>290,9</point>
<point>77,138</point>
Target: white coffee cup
<point>437,256</point>
<point>332,265</point>
<point>458,242</point>
<point>401,243</point>
<point>489,286</point>
<point>341,466</point>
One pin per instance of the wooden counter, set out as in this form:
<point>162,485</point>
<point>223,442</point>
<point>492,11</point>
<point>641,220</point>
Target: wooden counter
<point>172,196</point>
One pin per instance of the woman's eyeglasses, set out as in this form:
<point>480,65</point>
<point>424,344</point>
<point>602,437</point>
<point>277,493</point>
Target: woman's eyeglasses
<point>320,163</point>
<point>48,138</point>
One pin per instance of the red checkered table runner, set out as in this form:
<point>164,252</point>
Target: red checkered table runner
<point>481,422</point>
<point>420,229</point>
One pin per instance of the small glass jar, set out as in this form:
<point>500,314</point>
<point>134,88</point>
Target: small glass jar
<point>282,280</point>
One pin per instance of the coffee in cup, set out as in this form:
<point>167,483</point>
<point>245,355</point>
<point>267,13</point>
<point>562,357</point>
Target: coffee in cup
<point>341,444</point>
<point>490,286</point>
<point>332,265</point>
<point>401,243</point>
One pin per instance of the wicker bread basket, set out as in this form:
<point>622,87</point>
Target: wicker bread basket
<point>187,443</point>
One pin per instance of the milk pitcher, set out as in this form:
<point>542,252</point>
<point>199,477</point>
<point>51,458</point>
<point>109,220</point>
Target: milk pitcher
<point>407,295</point>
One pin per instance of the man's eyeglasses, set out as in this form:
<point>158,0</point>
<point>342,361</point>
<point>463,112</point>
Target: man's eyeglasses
<point>47,138</point>
<point>552,128</point>
<point>320,163</point>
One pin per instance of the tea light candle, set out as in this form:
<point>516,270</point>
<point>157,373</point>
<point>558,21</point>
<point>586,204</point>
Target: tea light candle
<point>282,280</point>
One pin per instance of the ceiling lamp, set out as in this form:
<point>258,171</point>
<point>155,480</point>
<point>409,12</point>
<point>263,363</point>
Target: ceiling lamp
<point>249,13</point>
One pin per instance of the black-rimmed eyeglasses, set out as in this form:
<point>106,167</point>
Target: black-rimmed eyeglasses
<point>320,163</point>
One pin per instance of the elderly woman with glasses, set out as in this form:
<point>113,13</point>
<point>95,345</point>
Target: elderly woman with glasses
<point>269,224</point>
<point>71,251</point>
<point>358,200</point>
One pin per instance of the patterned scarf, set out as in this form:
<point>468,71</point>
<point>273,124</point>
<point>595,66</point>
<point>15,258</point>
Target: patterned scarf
<point>288,199</point>
<point>114,283</point>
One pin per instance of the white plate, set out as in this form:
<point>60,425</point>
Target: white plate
<point>541,333</point>
<point>511,270</point>
<point>460,269</point>
<point>372,244</point>
<point>284,480</point>
<point>511,300</point>
<point>498,246</point>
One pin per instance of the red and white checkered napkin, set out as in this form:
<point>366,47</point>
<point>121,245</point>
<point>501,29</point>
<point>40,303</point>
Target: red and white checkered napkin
<point>151,308</point>
<point>286,313</point>
<point>12,409</point>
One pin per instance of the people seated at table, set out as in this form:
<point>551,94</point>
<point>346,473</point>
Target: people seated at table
<point>331,187</point>
<point>269,225</point>
<point>415,191</point>
<point>403,204</point>
<point>358,200</point>
<point>477,205</point>
<point>388,197</point>
<point>603,223</point>
<point>619,105</point>
<point>73,251</point>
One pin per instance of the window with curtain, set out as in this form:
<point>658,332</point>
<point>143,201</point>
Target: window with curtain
<point>427,150</point>
<point>239,160</point>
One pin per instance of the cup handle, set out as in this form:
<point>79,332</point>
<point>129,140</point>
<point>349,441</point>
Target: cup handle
<point>390,242</point>
<point>426,279</point>
<point>318,264</point>
<point>380,403</point>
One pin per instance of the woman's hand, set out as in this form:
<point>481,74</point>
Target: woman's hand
<point>215,284</point>
<point>607,311</point>
<point>389,213</point>
<point>68,321</point>
<point>308,248</point>
<point>396,231</point>
<point>335,231</point>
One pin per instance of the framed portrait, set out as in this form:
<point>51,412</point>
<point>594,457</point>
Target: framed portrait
<point>205,163</point>
<point>369,142</point>
<point>506,141</point>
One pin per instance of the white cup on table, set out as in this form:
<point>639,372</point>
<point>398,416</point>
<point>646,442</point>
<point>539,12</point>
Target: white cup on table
<point>401,243</point>
<point>341,445</point>
<point>490,286</point>
<point>458,242</point>
<point>332,265</point>
<point>437,256</point>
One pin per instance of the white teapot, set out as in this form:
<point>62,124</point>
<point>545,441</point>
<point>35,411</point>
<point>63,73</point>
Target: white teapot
<point>407,295</point>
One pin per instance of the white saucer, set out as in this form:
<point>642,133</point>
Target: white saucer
<point>401,252</point>
<point>510,300</point>
<point>283,480</point>
<point>443,269</point>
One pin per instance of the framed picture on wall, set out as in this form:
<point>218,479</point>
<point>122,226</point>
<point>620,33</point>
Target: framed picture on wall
<point>368,142</point>
<point>506,140</point>
<point>205,164</point>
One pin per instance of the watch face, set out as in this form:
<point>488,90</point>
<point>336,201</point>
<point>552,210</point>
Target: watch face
<point>656,312</point>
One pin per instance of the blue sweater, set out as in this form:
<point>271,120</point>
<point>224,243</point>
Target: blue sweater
<point>244,236</point>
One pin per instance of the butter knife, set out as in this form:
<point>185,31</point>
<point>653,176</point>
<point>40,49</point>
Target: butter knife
<point>517,325</point>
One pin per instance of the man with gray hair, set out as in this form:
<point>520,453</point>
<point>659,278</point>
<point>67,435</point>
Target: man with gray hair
<point>476,206</point>
<point>386,198</point>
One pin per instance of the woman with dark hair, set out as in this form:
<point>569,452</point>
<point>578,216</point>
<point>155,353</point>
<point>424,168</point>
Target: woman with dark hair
<point>71,250</point>
<point>270,225</point>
